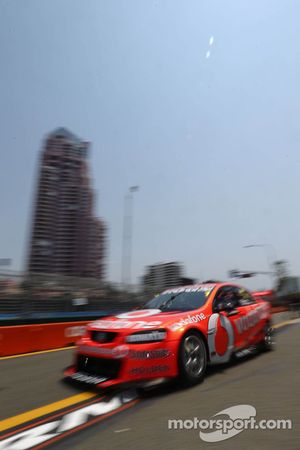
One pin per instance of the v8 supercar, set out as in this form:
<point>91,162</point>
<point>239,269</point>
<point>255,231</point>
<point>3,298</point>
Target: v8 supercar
<point>176,335</point>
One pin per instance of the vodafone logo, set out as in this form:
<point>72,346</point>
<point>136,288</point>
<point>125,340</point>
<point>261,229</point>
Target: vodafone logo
<point>217,325</point>
<point>139,313</point>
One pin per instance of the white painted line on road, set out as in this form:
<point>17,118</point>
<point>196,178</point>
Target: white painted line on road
<point>287,322</point>
<point>122,430</point>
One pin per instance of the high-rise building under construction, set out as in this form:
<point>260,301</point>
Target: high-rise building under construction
<point>66,237</point>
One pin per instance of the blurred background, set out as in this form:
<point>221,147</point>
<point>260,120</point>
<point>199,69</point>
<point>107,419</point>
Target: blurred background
<point>145,144</point>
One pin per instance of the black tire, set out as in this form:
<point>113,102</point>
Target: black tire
<point>268,342</point>
<point>192,359</point>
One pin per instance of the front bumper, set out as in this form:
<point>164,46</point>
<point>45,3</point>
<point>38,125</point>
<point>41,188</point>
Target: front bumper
<point>107,366</point>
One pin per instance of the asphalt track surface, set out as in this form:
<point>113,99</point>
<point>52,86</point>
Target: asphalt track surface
<point>31,389</point>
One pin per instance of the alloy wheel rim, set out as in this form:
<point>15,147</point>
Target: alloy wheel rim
<point>269,339</point>
<point>194,358</point>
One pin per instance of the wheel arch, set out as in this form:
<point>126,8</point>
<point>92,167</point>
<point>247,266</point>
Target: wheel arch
<point>201,334</point>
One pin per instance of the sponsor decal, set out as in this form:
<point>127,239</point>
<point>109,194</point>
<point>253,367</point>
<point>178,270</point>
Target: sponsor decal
<point>139,313</point>
<point>123,324</point>
<point>75,331</point>
<point>152,354</point>
<point>146,337</point>
<point>211,337</point>
<point>187,320</point>
<point>245,352</point>
<point>148,370</point>
<point>85,378</point>
<point>67,423</point>
<point>197,288</point>
<point>251,319</point>
<point>121,351</point>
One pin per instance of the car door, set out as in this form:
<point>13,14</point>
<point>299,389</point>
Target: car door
<point>235,316</point>
<point>243,323</point>
<point>254,313</point>
<point>224,333</point>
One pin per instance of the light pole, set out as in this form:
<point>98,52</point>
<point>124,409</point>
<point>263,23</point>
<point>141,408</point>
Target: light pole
<point>270,253</point>
<point>127,236</point>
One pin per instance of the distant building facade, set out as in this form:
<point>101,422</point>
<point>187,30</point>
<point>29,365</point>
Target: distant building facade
<point>162,276</point>
<point>289,286</point>
<point>66,237</point>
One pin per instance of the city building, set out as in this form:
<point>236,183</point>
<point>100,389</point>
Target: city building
<point>162,276</point>
<point>66,238</point>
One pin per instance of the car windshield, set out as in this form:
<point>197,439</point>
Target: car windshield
<point>182,301</point>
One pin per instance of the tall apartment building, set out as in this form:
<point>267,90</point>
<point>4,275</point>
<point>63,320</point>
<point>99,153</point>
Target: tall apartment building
<point>66,238</point>
<point>162,276</point>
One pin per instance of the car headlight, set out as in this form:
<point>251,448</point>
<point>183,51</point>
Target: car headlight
<point>146,336</point>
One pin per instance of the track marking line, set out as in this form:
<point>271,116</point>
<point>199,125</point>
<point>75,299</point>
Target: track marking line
<point>87,424</point>
<point>44,410</point>
<point>287,322</point>
<point>38,353</point>
<point>49,417</point>
<point>122,430</point>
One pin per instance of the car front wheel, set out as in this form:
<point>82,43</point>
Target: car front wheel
<point>192,359</point>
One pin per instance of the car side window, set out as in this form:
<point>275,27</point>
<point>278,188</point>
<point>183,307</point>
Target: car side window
<point>218,300</point>
<point>244,297</point>
<point>224,295</point>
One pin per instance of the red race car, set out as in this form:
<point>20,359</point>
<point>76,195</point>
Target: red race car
<point>176,334</point>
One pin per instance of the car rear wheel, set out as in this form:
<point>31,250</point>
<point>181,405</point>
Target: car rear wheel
<point>268,342</point>
<point>192,359</point>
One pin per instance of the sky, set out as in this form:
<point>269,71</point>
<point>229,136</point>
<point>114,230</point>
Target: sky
<point>197,102</point>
